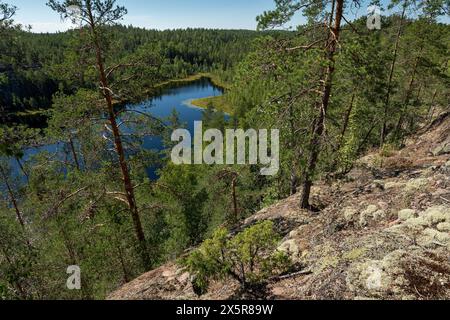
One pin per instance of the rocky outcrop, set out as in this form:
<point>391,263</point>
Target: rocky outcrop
<point>401,274</point>
<point>383,233</point>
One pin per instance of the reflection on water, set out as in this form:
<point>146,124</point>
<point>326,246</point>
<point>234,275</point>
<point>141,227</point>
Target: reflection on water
<point>162,106</point>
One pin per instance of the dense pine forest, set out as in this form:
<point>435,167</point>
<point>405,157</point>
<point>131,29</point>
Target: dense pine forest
<point>40,64</point>
<point>334,89</point>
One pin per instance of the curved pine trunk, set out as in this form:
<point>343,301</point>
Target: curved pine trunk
<point>319,126</point>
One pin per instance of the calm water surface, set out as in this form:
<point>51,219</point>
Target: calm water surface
<point>162,106</point>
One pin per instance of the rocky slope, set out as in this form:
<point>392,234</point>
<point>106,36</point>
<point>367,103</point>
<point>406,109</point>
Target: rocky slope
<point>383,233</point>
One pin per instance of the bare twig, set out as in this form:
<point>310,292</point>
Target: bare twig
<point>61,202</point>
<point>446,200</point>
<point>306,47</point>
<point>111,70</point>
<point>295,274</point>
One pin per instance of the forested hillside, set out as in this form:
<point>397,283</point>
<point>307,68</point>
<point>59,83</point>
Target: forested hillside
<point>335,89</point>
<point>39,65</point>
<point>383,235</point>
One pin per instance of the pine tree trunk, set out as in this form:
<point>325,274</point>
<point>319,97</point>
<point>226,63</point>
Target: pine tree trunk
<point>12,199</point>
<point>347,119</point>
<point>16,206</point>
<point>126,277</point>
<point>294,177</point>
<point>74,153</point>
<point>407,98</point>
<point>235,205</point>
<point>15,279</point>
<point>294,182</point>
<point>319,126</point>
<point>73,259</point>
<point>22,168</point>
<point>431,107</point>
<point>391,78</point>
<point>128,186</point>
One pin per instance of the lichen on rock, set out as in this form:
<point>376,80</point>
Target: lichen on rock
<point>291,248</point>
<point>443,148</point>
<point>437,214</point>
<point>349,213</point>
<point>406,214</point>
<point>416,184</point>
<point>401,275</point>
<point>372,213</point>
<point>443,227</point>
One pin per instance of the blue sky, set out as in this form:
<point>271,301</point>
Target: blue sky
<point>161,14</point>
<point>158,14</point>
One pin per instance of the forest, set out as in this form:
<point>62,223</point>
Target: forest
<point>40,60</point>
<point>334,88</point>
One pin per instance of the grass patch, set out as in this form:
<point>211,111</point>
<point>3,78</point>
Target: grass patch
<point>220,103</point>
<point>214,79</point>
<point>30,113</point>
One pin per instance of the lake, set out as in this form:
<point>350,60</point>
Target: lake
<point>161,106</point>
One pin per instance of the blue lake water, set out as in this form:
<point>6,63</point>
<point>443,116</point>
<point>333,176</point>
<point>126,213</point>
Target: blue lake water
<point>162,106</point>
<point>179,99</point>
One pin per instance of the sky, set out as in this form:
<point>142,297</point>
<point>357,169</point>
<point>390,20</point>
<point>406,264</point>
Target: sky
<point>162,14</point>
<point>157,14</point>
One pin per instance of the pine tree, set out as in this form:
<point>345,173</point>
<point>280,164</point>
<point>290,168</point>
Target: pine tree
<point>284,12</point>
<point>6,14</point>
<point>96,14</point>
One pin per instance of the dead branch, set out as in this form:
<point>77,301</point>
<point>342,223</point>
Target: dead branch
<point>307,47</point>
<point>61,202</point>
<point>295,274</point>
<point>111,70</point>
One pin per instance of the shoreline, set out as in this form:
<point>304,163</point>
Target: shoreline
<point>195,77</point>
<point>148,93</point>
<point>219,102</point>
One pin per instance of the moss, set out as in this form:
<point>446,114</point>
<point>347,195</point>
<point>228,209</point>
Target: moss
<point>371,213</point>
<point>290,247</point>
<point>393,185</point>
<point>437,215</point>
<point>328,262</point>
<point>349,213</point>
<point>444,227</point>
<point>387,151</point>
<point>416,184</point>
<point>432,237</point>
<point>442,149</point>
<point>355,254</point>
<point>406,214</point>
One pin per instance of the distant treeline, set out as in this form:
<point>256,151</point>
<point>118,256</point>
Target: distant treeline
<point>33,67</point>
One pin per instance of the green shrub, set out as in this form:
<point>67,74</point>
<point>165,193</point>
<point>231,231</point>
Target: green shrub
<point>250,257</point>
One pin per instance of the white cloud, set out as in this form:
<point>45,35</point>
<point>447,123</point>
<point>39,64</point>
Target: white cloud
<point>43,27</point>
